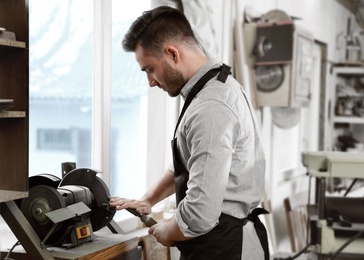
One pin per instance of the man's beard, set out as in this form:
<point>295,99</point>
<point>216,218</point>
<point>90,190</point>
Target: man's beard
<point>173,79</point>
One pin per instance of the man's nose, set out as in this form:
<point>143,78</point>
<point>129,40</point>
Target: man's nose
<point>153,83</point>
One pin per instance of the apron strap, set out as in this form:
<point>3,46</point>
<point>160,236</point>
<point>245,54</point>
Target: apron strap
<point>224,73</point>
<point>259,228</point>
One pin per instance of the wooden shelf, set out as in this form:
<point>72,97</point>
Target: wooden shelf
<point>342,124</point>
<point>14,85</point>
<point>348,119</point>
<point>356,95</point>
<point>7,195</point>
<point>9,43</point>
<point>12,114</point>
<point>349,70</point>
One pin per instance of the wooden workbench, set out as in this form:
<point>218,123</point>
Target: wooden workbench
<point>104,246</point>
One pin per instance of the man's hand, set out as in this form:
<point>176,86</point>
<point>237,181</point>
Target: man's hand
<point>159,191</point>
<point>162,233</point>
<point>167,232</point>
<point>142,206</point>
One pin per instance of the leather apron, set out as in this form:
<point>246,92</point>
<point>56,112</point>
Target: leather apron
<point>225,240</point>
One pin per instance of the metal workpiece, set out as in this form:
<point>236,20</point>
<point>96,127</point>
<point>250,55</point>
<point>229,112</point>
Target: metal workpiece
<point>146,219</point>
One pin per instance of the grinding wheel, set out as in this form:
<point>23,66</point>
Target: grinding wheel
<point>101,213</point>
<point>41,179</point>
<point>41,200</point>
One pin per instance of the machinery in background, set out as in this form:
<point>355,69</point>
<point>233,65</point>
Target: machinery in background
<point>280,51</point>
<point>65,212</point>
<point>337,223</point>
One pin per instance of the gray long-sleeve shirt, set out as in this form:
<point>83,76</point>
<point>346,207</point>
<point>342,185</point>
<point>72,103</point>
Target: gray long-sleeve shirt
<point>220,145</point>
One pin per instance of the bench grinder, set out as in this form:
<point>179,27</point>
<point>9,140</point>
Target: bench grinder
<point>66,212</point>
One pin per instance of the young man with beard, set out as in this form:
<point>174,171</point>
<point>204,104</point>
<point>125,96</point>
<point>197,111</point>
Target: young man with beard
<point>218,159</point>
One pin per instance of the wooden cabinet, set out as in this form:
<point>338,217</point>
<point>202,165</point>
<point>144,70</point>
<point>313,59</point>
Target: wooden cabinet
<point>14,85</point>
<point>346,110</point>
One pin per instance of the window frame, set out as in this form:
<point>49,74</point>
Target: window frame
<point>162,110</point>
<point>101,98</point>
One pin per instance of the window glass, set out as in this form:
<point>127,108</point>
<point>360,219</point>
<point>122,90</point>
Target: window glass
<point>61,74</point>
<point>128,144</point>
<point>60,81</point>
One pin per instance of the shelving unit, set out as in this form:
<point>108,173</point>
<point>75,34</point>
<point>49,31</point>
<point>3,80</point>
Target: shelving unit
<point>14,84</point>
<point>344,119</point>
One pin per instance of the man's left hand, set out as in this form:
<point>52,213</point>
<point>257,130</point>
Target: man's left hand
<point>162,231</point>
<point>167,232</point>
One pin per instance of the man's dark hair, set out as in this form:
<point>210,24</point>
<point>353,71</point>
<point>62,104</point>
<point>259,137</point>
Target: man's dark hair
<point>157,26</point>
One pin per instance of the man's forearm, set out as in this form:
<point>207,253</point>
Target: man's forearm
<point>175,232</point>
<point>161,190</point>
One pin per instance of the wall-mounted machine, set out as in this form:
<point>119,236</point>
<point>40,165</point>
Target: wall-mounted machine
<point>282,60</point>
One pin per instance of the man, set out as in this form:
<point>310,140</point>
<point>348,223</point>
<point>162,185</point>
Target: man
<point>219,164</point>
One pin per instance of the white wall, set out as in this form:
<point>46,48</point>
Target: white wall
<point>325,19</point>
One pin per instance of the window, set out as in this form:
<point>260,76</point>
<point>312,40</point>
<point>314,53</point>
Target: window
<point>72,68</point>
<point>62,92</point>
<point>60,81</point>
<point>129,100</point>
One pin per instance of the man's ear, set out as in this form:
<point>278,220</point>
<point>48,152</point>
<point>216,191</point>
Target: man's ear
<point>172,53</point>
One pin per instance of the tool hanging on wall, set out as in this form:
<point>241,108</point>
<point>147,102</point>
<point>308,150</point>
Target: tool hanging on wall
<point>283,60</point>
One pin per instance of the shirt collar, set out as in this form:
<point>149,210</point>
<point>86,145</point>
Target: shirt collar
<point>213,63</point>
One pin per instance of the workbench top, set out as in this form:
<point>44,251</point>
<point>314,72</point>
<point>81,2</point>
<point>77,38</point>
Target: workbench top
<point>103,246</point>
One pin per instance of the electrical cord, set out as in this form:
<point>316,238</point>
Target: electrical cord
<point>7,257</point>
<point>346,244</point>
